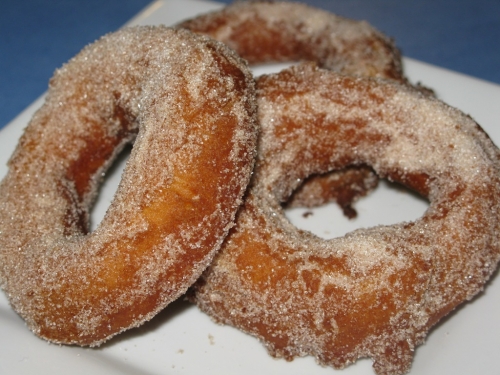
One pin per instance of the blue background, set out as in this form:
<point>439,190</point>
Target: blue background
<point>37,36</point>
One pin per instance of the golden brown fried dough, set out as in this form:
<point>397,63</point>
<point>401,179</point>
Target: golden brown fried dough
<point>189,104</point>
<point>375,292</point>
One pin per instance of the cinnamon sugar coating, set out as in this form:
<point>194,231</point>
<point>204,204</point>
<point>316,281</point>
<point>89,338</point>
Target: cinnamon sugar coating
<point>280,31</point>
<point>375,292</point>
<point>188,102</point>
<point>277,31</point>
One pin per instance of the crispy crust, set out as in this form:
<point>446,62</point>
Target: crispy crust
<point>263,31</point>
<point>189,104</point>
<point>375,292</point>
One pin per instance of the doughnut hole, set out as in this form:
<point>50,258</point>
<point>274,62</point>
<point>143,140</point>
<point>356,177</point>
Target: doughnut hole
<point>110,180</point>
<point>388,203</point>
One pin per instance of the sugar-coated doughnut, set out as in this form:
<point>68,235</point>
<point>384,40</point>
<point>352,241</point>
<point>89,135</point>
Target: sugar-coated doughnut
<point>280,31</point>
<point>375,292</point>
<point>189,103</point>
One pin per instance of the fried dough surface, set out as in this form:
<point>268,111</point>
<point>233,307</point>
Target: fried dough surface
<point>375,292</point>
<point>188,102</point>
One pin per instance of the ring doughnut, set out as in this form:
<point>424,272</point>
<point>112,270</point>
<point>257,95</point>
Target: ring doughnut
<point>375,292</point>
<point>263,31</point>
<point>188,102</point>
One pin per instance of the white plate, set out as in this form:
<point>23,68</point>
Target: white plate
<point>181,340</point>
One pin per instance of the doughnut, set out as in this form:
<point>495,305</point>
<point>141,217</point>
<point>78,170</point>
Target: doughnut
<point>264,32</point>
<point>375,292</point>
<point>188,102</point>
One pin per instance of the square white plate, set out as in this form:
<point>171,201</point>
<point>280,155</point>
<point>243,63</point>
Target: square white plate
<point>182,340</point>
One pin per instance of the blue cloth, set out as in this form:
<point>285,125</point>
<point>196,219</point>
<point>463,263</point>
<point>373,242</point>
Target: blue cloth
<point>37,36</point>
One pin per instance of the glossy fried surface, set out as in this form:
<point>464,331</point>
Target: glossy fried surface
<point>188,102</point>
<point>375,292</point>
